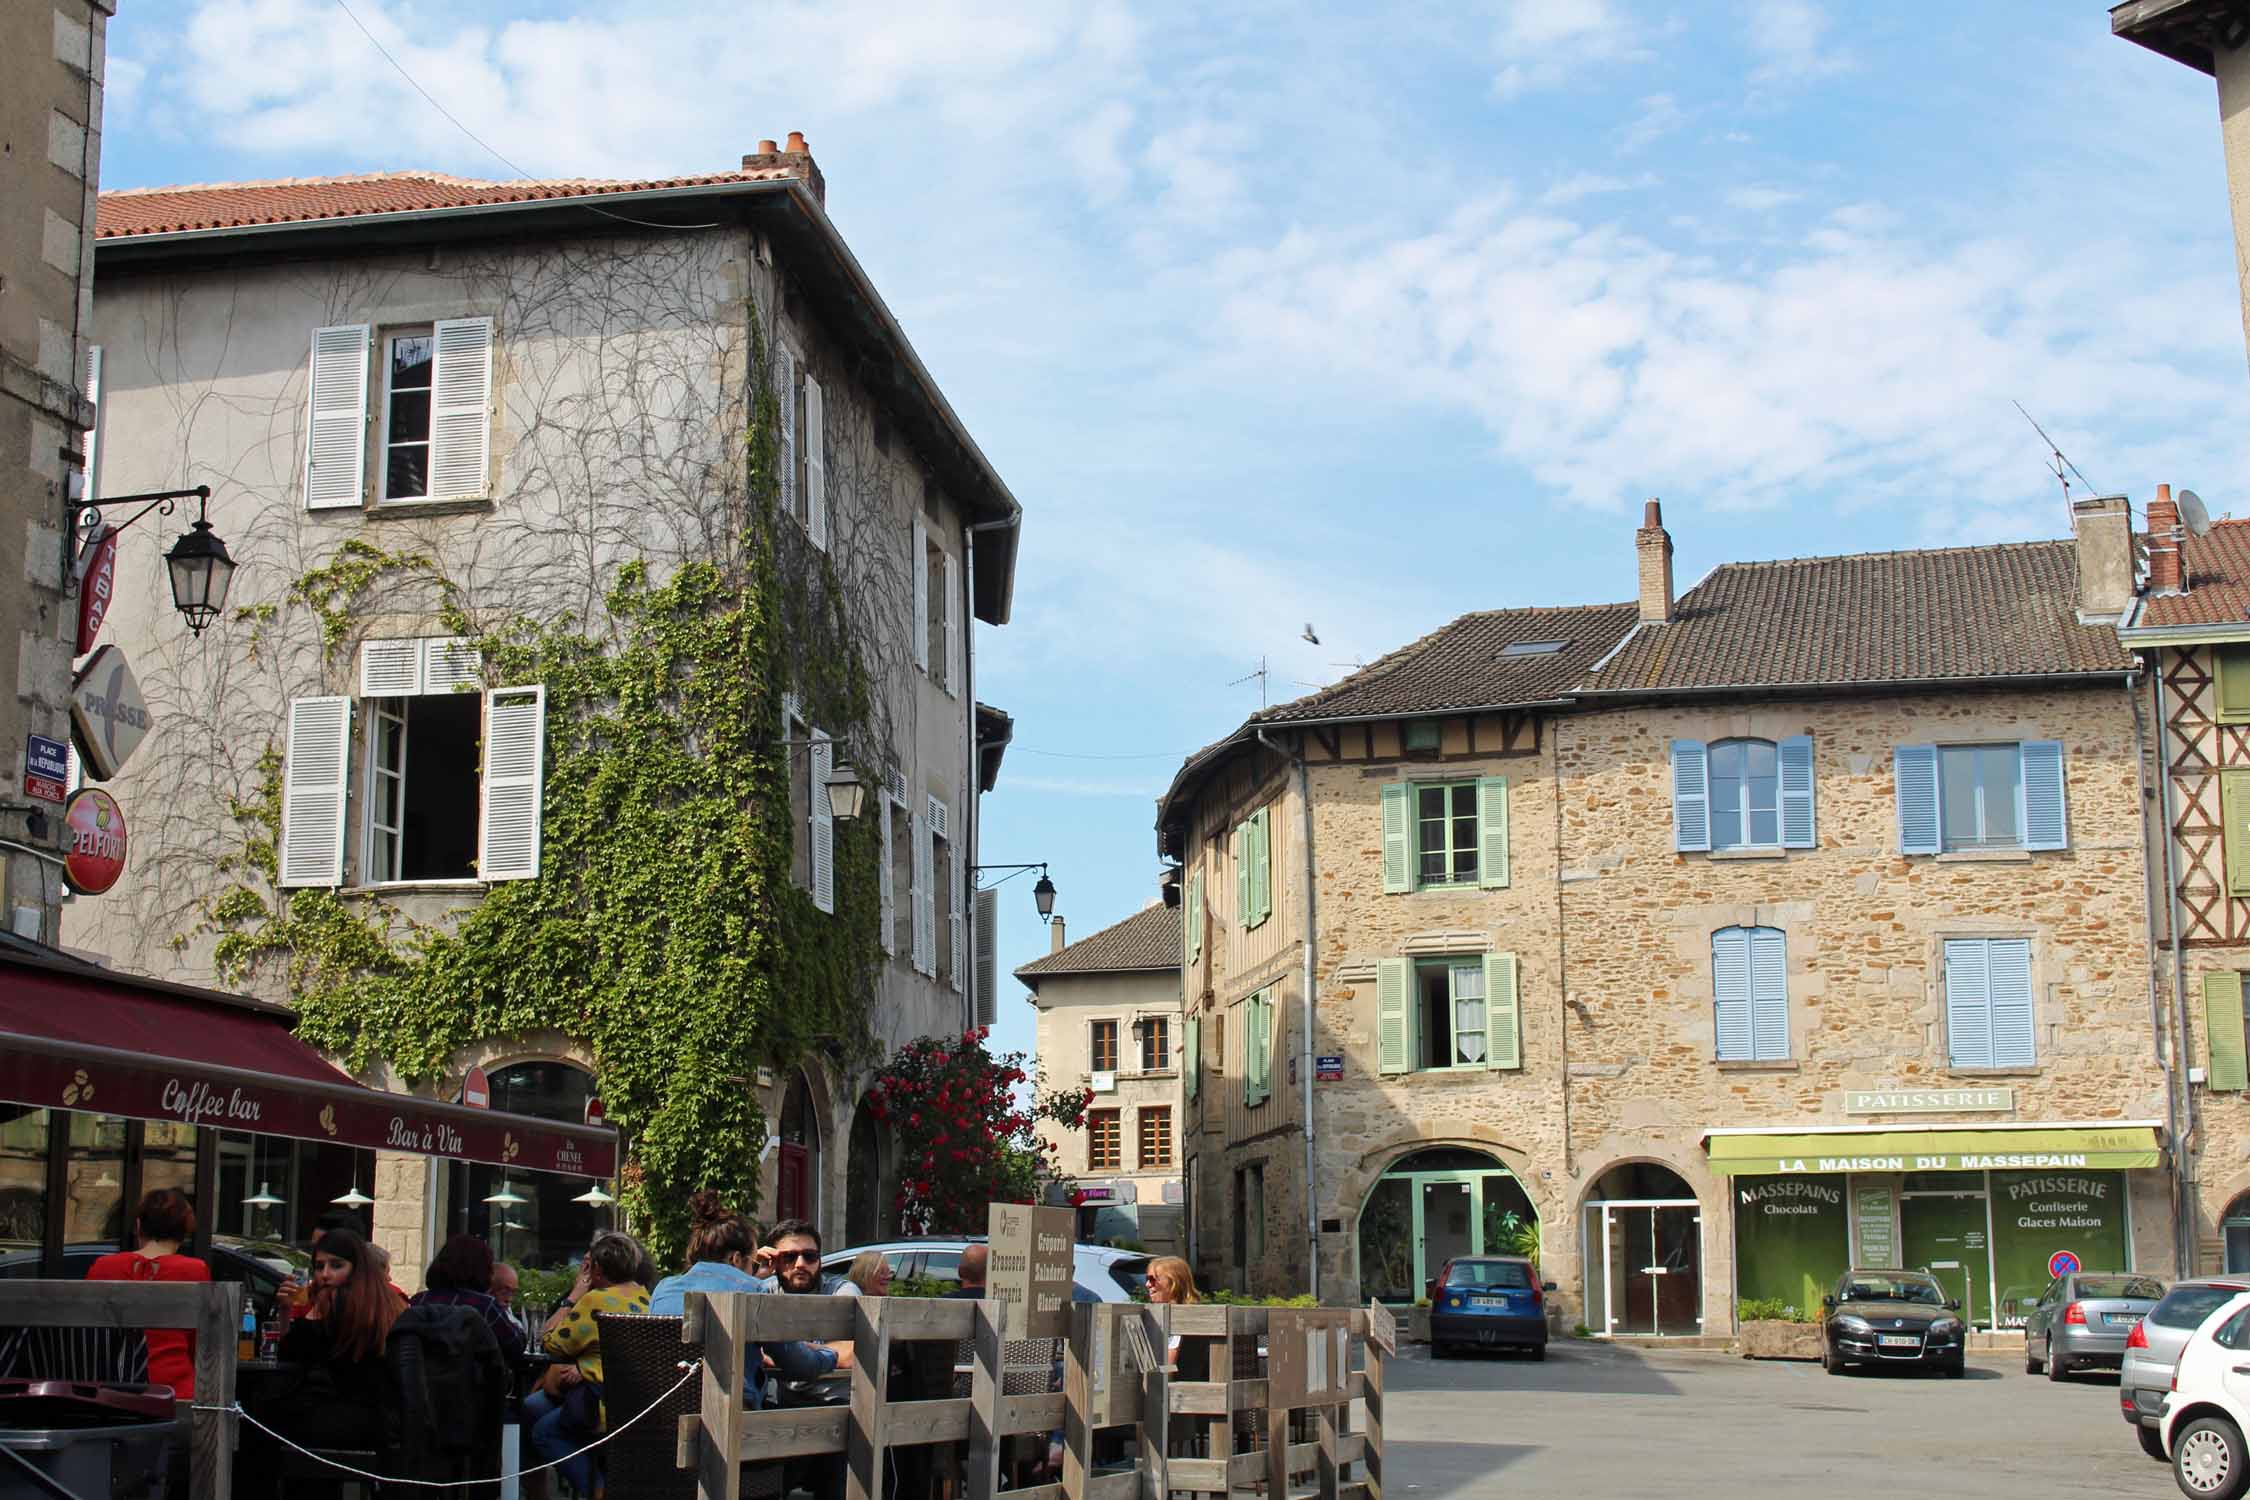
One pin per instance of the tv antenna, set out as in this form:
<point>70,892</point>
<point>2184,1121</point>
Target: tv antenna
<point>2058,464</point>
<point>1260,674</point>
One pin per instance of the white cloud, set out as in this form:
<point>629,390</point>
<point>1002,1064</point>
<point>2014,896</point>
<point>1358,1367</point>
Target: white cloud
<point>1658,116</point>
<point>1541,43</point>
<point>1593,184</point>
<point>1791,38</point>
<point>1757,199</point>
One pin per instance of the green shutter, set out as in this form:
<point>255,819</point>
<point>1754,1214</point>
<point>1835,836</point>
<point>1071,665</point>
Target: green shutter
<point>1256,1070</point>
<point>1503,1029</point>
<point>1240,847</point>
<point>1191,1068</point>
<point>1492,831</point>
<point>2222,1031</point>
<point>1261,866</point>
<point>1398,843</point>
<point>1195,916</point>
<point>1394,1016</point>
<point>2234,812</point>
<point>2232,667</point>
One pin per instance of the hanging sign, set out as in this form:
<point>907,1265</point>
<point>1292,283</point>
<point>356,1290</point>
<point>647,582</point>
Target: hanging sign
<point>93,841</point>
<point>96,588</point>
<point>107,712</point>
<point>46,768</point>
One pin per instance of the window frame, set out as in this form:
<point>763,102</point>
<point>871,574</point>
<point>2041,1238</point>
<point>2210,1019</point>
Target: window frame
<point>1156,1043</point>
<point>1095,1034</point>
<point>1993,1061</point>
<point>384,339</point>
<point>1453,880</point>
<point>1113,1120</point>
<point>1751,940</point>
<point>1741,813</point>
<point>380,711</point>
<point>1147,1115</point>
<point>1453,964</point>
<point>2018,811</point>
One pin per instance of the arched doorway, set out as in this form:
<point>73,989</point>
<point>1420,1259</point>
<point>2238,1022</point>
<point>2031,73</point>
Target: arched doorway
<point>867,1180</point>
<point>1433,1205</point>
<point>1644,1253</point>
<point>2235,1227</point>
<point>530,1218</point>
<point>797,1169</point>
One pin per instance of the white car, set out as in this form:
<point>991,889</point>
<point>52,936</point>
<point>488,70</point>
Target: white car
<point>2208,1409</point>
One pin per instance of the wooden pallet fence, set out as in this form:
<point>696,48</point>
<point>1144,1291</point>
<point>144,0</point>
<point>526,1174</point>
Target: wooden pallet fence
<point>212,1310</point>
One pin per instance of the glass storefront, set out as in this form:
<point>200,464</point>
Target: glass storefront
<point>1790,1238</point>
<point>1644,1254</point>
<point>529,1218</point>
<point>23,1179</point>
<point>1432,1206</point>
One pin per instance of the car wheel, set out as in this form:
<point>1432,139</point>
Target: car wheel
<point>1957,1369</point>
<point>2032,1363</point>
<point>2152,1441</point>
<point>1440,1351</point>
<point>2058,1369</point>
<point>2208,1459</point>
<point>1538,1351</point>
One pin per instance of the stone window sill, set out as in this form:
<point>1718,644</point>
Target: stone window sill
<point>402,510</point>
<point>1985,857</point>
<point>1749,854</point>
<point>416,888</point>
<point>2030,1072</point>
<point>1757,1065</point>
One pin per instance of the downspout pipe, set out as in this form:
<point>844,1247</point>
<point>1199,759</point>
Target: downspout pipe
<point>2183,1114</point>
<point>1310,946</point>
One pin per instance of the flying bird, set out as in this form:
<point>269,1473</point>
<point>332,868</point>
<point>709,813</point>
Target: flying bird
<point>1310,638</point>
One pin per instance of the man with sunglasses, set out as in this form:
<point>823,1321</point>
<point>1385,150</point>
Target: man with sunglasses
<point>796,1260</point>
<point>796,1271</point>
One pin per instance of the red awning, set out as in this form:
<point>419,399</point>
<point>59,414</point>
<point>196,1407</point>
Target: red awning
<point>79,1037</point>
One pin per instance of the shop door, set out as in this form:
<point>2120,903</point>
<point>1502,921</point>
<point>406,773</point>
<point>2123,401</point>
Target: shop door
<point>1653,1268</point>
<point>1448,1218</point>
<point>1944,1233</point>
<point>791,1185</point>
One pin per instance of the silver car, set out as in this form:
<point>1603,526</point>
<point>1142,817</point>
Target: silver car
<point>2080,1322</point>
<point>2153,1348</point>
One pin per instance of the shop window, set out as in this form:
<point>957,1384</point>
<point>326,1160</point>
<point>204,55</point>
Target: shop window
<point>1105,1148</point>
<point>24,1135</point>
<point>529,1218</point>
<point>1988,1004</point>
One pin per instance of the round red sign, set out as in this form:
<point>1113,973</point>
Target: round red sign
<point>94,846</point>
<point>476,1089</point>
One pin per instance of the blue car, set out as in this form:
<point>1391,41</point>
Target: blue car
<point>1497,1301</point>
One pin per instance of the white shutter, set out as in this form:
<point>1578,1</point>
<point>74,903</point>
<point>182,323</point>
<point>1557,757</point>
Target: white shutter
<point>953,624</point>
<point>957,923</point>
<point>988,957</point>
<point>919,565</point>
<point>390,669</point>
<point>823,824</point>
<point>336,445</point>
<point>886,878</point>
<point>515,721</point>
<point>461,409</point>
<point>450,663</point>
<point>788,406</point>
<point>90,443</point>
<point>924,897</point>
<point>816,465</point>
<point>314,770</point>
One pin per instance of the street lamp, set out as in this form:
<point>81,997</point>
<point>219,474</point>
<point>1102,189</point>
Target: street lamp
<point>1042,894</point>
<point>198,563</point>
<point>847,794</point>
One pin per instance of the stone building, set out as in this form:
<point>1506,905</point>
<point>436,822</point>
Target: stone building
<point>52,59</point>
<point>1724,938</point>
<point>1109,1022</point>
<point>532,383</point>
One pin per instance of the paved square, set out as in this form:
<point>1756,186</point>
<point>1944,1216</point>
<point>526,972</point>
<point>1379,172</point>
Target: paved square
<point>1600,1420</point>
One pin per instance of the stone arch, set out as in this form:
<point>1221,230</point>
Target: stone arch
<point>530,1218</point>
<point>2217,1202</point>
<point>870,1178</point>
<point>1347,1198</point>
<point>1708,1245</point>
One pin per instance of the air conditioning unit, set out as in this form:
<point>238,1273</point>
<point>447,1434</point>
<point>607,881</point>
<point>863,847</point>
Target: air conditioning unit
<point>1104,1083</point>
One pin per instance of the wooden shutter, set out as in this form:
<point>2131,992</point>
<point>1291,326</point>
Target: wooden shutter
<point>1238,847</point>
<point>988,957</point>
<point>2222,1032</point>
<point>1394,1016</point>
<point>2234,805</point>
<point>1691,795</point>
<point>953,624</point>
<point>1257,1067</point>
<point>390,669</point>
<point>918,895</point>
<point>1503,1019</point>
<point>2008,971</point>
<point>919,565</point>
<point>450,663</point>
<point>461,409</point>
<point>1794,760</point>
<point>1195,917</point>
<point>788,403</point>
<point>1769,994</point>
<point>1398,838</point>
<point>957,920</point>
<point>816,464</point>
<point>314,769</point>
<point>1191,1065</point>
<point>1492,831</point>
<point>1261,866</point>
<point>823,823</point>
<point>336,438</point>
<point>2231,664</point>
<point>1968,1004</point>
<point>2046,818</point>
<point>886,877</point>
<point>515,722</point>
<point>90,441</point>
<point>1915,770</point>
<point>1730,992</point>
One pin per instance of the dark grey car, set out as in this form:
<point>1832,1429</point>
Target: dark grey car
<point>2081,1321</point>
<point>2153,1348</point>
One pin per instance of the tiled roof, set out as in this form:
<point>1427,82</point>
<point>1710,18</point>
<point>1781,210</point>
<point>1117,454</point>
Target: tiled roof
<point>1464,665</point>
<point>2218,579</point>
<point>1148,939</point>
<point>226,205</point>
<point>1877,617</point>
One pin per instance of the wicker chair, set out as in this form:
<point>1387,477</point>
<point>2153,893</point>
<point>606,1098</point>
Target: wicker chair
<point>641,1359</point>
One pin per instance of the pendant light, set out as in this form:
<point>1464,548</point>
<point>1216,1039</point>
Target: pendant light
<point>353,1199</point>
<point>506,1195</point>
<point>263,1198</point>
<point>595,1197</point>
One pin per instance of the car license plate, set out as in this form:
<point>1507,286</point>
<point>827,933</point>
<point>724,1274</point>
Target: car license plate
<point>1900,1340</point>
<point>1488,1301</point>
<point>2127,1318</point>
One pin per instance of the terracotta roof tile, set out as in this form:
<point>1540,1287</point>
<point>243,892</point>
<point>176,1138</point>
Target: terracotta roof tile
<point>1875,617</point>
<point>2218,579</point>
<point>1467,665</point>
<point>1148,939</point>
<point>227,205</point>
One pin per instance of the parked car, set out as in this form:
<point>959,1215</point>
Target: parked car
<point>2152,1351</point>
<point>2082,1320</point>
<point>1881,1316</point>
<point>2207,1409</point>
<point>1102,1274</point>
<point>1496,1301</point>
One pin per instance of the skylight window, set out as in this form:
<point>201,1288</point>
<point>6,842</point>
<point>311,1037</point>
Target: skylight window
<point>1532,648</point>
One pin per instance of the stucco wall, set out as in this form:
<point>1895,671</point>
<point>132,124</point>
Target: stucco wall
<point>1068,1005</point>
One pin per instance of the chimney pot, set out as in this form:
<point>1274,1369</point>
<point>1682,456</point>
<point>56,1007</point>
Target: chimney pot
<point>1055,941</point>
<point>1652,515</point>
<point>767,148</point>
<point>797,141</point>
<point>1653,544</point>
<point>2166,572</point>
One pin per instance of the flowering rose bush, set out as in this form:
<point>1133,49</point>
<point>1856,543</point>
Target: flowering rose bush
<point>964,1137</point>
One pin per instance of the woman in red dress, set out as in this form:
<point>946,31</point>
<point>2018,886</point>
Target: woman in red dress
<point>165,1222</point>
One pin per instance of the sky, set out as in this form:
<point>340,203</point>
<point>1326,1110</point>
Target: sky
<point>1277,315</point>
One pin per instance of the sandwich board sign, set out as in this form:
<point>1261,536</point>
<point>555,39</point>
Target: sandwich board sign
<point>1032,1269</point>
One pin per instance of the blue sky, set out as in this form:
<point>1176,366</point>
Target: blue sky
<point>1364,317</point>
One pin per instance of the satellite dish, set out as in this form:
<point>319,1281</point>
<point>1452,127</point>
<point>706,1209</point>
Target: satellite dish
<point>2192,514</point>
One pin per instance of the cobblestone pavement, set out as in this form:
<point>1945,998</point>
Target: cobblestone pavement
<point>1599,1420</point>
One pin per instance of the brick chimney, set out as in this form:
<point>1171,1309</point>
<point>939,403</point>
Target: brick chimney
<point>2104,527</point>
<point>2166,573</point>
<point>1055,940</point>
<point>793,159</point>
<point>1654,544</point>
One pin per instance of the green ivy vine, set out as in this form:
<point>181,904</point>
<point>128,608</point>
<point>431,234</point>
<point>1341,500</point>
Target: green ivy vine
<point>665,930</point>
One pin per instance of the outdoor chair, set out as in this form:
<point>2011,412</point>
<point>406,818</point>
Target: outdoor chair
<point>642,1358</point>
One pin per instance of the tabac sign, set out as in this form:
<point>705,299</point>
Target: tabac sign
<point>108,713</point>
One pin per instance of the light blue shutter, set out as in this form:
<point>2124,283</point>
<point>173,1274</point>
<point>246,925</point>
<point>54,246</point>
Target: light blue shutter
<point>1398,848</point>
<point>1503,1023</point>
<point>1968,1004</point>
<point>2008,971</point>
<point>1691,795</point>
<point>1796,764</point>
<point>1394,1017</point>
<point>2046,821</point>
<point>1730,990</point>
<point>1492,831</point>
<point>1769,994</point>
<point>1914,768</point>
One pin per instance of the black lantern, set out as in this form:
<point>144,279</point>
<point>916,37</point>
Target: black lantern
<point>1044,894</point>
<point>201,571</point>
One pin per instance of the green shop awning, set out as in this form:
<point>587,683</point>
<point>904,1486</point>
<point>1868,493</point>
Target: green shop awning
<point>2094,1147</point>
